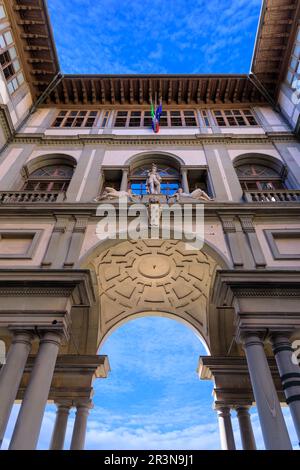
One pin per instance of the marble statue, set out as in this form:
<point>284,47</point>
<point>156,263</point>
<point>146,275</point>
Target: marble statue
<point>198,194</point>
<point>112,193</point>
<point>153,181</point>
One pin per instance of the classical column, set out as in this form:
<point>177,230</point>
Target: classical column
<point>60,426</point>
<point>11,375</point>
<point>28,425</point>
<point>290,376</point>
<point>79,431</point>
<point>124,181</point>
<point>247,436</point>
<point>184,180</point>
<point>272,423</point>
<point>225,426</point>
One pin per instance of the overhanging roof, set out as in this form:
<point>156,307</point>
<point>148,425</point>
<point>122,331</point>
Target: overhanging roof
<point>141,89</point>
<point>275,38</point>
<point>33,33</point>
<point>34,38</point>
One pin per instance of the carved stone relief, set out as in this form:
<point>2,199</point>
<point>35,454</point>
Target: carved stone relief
<point>154,276</point>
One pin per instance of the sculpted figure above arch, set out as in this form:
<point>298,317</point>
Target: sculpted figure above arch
<point>198,194</point>
<point>153,180</point>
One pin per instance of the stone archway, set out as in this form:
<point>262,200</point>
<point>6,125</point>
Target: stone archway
<point>143,277</point>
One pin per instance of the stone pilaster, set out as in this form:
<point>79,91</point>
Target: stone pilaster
<point>55,240</point>
<point>229,227</point>
<point>76,241</point>
<point>249,230</point>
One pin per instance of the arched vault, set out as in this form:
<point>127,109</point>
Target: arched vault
<point>153,277</point>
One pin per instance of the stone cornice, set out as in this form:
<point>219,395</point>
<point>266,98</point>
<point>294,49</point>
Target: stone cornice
<point>97,366</point>
<point>254,283</point>
<point>212,209</point>
<point>75,283</point>
<point>144,140</point>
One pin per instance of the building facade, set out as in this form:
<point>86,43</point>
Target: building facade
<point>63,289</point>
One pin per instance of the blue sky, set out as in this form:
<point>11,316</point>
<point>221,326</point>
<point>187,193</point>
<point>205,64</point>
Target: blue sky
<point>152,398</point>
<point>154,36</point>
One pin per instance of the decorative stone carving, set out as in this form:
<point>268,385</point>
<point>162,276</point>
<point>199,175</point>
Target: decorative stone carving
<point>198,194</point>
<point>112,193</point>
<point>156,277</point>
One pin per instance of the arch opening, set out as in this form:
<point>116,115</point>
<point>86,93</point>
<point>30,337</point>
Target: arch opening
<point>152,277</point>
<point>153,390</point>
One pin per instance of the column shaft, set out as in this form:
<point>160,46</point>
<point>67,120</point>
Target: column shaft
<point>185,183</point>
<point>11,375</point>
<point>290,376</point>
<point>273,426</point>
<point>79,431</point>
<point>247,436</point>
<point>124,181</point>
<point>60,427</point>
<point>225,426</point>
<point>28,425</point>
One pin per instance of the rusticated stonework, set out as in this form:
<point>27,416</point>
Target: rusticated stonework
<point>154,277</point>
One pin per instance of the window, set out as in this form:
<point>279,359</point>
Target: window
<point>234,117</point>
<point>164,119</point>
<point>75,119</point>
<point>190,118</point>
<point>50,178</point>
<point>205,118</point>
<point>121,119</point>
<point>135,119</point>
<point>293,74</point>
<point>254,177</point>
<point>176,120</point>
<point>140,118</point>
<point>9,61</point>
<point>105,118</point>
<point>2,12</point>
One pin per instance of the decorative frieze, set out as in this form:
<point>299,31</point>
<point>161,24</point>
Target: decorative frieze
<point>159,140</point>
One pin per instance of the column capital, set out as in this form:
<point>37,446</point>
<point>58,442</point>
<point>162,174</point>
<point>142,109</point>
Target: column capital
<point>278,337</point>
<point>223,410</point>
<point>250,338</point>
<point>64,404</point>
<point>242,409</point>
<point>83,404</point>
<point>52,336</point>
<point>22,336</point>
